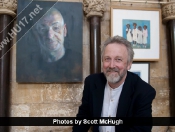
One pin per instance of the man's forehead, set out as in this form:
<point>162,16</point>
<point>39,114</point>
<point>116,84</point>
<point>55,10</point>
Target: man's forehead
<point>51,18</point>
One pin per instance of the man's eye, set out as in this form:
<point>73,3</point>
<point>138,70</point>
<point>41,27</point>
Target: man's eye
<point>56,28</point>
<point>107,59</point>
<point>43,30</point>
<point>119,59</point>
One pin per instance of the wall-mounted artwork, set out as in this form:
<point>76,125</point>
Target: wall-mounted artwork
<point>142,70</point>
<point>49,45</point>
<point>137,32</point>
<point>141,27</point>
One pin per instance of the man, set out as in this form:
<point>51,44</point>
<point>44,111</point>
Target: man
<point>51,30</point>
<point>116,92</point>
<point>50,61</point>
<point>134,33</point>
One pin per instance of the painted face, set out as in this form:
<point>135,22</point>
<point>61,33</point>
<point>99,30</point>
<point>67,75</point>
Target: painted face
<point>134,26</point>
<point>52,31</point>
<point>115,64</point>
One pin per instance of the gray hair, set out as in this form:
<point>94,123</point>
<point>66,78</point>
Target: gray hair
<point>119,40</point>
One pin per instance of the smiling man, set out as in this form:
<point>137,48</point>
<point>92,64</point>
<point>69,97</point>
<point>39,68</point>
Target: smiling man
<point>52,30</point>
<point>49,58</point>
<point>116,92</point>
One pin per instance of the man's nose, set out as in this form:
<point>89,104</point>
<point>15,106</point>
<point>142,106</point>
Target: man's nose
<point>112,64</point>
<point>50,33</point>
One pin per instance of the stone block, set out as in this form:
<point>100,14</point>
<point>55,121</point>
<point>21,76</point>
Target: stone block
<point>19,129</point>
<point>21,110</point>
<point>27,93</point>
<point>171,129</point>
<point>160,83</point>
<point>52,93</point>
<point>86,61</point>
<point>159,128</point>
<point>50,129</point>
<point>162,94</point>
<point>105,31</point>
<point>13,62</point>
<point>78,95</point>
<point>53,110</point>
<point>160,108</point>
<point>86,31</point>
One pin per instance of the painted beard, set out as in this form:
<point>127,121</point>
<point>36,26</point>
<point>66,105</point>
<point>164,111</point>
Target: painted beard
<point>115,76</point>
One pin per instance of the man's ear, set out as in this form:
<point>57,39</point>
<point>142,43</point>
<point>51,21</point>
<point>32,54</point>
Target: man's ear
<point>129,66</point>
<point>65,30</point>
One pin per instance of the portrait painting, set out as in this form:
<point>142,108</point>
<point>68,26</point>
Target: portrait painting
<point>49,45</point>
<point>137,32</point>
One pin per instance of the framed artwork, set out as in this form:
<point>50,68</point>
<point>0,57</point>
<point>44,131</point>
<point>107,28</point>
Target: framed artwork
<point>142,70</point>
<point>141,27</point>
<point>49,42</point>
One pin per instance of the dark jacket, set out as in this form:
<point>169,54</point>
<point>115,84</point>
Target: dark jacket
<point>135,101</point>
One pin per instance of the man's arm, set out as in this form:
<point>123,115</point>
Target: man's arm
<point>84,108</point>
<point>143,109</point>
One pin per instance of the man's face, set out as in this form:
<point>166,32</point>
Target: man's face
<point>115,64</point>
<point>52,31</point>
<point>134,26</point>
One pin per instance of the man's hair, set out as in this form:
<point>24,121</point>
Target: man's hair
<point>121,41</point>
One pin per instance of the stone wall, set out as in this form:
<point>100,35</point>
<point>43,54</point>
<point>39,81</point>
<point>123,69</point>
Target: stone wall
<point>59,100</point>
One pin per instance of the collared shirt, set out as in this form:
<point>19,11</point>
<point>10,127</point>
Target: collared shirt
<point>110,105</point>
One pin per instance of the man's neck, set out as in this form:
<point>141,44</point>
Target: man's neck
<point>54,55</point>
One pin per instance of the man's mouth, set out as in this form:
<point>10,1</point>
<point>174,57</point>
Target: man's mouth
<point>112,70</point>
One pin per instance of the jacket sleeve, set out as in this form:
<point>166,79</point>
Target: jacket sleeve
<point>83,111</point>
<point>143,109</point>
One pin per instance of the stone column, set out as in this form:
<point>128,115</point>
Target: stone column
<point>7,12</point>
<point>94,11</point>
<point>168,15</point>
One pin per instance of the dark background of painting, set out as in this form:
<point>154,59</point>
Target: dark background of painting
<point>139,23</point>
<point>27,42</point>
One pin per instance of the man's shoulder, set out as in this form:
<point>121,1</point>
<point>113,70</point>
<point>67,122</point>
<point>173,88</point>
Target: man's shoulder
<point>139,84</point>
<point>96,76</point>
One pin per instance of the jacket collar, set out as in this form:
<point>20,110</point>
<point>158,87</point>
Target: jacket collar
<point>125,97</point>
<point>99,95</point>
<point>124,100</point>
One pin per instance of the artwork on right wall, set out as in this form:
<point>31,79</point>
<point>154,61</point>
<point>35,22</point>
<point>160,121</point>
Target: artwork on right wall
<point>142,69</point>
<point>141,27</point>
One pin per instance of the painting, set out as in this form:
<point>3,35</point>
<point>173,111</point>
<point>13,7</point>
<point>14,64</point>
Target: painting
<point>141,27</point>
<point>137,32</point>
<point>142,69</point>
<point>49,42</point>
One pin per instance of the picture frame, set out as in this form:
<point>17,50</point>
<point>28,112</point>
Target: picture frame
<point>142,69</point>
<point>140,26</point>
<point>49,48</point>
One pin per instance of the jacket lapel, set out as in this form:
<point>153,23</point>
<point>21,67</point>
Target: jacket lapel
<point>99,95</point>
<point>125,97</point>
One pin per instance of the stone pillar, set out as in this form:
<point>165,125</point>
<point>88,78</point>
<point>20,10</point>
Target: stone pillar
<point>168,15</point>
<point>94,11</point>
<point>7,12</point>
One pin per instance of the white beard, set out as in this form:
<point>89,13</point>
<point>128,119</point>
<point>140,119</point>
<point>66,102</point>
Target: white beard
<point>112,78</point>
